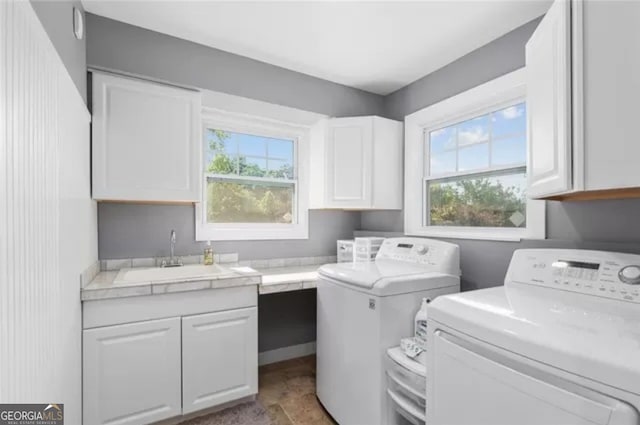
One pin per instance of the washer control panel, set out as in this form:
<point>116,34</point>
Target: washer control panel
<point>437,255</point>
<point>598,273</point>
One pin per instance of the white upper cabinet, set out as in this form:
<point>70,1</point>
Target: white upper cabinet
<point>356,163</point>
<point>549,103</point>
<point>146,140</point>
<point>582,94</point>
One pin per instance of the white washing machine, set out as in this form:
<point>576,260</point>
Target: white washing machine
<point>559,343</point>
<point>364,309</point>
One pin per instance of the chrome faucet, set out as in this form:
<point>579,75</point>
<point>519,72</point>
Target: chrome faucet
<point>173,261</point>
<point>172,248</point>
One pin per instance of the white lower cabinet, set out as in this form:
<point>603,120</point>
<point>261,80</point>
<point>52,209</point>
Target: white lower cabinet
<point>143,372</point>
<point>131,373</point>
<point>219,358</point>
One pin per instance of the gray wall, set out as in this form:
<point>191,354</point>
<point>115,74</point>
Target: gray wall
<point>607,225</point>
<point>131,230</point>
<point>57,19</point>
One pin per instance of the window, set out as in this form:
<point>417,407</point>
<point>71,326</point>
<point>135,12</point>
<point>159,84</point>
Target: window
<point>252,185</point>
<point>469,156</point>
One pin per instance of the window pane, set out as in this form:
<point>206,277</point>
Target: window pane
<point>228,152</point>
<point>218,140</point>
<point>510,151</point>
<point>280,169</point>
<point>250,166</point>
<point>251,145</point>
<point>509,121</point>
<point>221,163</point>
<point>492,200</point>
<point>475,130</point>
<point>248,202</point>
<point>281,149</point>
<point>474,157</point>
<point>442,139</point>
<point>442,163</point>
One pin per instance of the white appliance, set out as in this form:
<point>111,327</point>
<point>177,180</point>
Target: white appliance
<point>559,343</point>
<point>366,308</point>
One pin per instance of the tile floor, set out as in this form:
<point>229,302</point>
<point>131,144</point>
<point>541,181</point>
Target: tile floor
<point>288,392</point>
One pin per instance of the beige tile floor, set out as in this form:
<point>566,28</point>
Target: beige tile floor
<point>288,392</point>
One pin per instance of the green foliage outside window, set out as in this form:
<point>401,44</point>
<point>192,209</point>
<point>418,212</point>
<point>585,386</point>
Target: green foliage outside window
<point>245,201</point>
<point>477,202</point>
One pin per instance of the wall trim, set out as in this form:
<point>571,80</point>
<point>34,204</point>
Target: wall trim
<point>286,353</point>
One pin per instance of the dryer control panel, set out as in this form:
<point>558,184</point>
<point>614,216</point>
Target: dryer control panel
<point>599,273</point>
<point>437,255</point>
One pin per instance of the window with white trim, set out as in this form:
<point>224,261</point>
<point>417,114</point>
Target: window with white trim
<point>253,180</point>
<point>472,165</point>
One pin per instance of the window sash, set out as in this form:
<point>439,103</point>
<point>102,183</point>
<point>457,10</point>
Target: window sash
<point>233,178</point>
<point>458,119</point>
<point>426,213</point>
<point>210,125</point>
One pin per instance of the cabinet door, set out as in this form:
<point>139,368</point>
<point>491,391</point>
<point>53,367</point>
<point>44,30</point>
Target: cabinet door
<point>146,141</point>
<point>219,358</point>
<point>131,373</point>
<point>349,162</point>
<point>548,59</point>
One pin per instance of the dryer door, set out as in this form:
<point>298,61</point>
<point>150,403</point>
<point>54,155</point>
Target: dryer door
<point>481,385</point>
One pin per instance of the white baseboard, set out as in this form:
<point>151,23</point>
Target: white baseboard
<point>286,353</point>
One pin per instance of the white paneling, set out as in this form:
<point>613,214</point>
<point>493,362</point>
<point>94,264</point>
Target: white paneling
<point>43,248</point>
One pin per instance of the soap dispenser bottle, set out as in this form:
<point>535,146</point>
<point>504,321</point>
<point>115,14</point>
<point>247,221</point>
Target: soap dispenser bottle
<point>208,255</point>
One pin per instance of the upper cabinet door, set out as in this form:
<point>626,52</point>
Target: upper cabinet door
<point>548,60</point>
<point>349,162</point>
<point>146,140</point>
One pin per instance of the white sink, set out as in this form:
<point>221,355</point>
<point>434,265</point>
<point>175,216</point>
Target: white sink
<point>161,274</point>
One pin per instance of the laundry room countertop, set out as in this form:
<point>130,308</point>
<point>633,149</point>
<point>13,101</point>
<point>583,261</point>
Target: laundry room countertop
<point>269,280</point>
<point>106,284</point>
<point>285,279</point>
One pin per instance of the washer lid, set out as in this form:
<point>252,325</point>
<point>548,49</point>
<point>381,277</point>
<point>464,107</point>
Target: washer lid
<point>588,336</point>
<point>382,273</point>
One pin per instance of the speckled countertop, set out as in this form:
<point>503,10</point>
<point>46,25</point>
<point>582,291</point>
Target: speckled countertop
<point>284,279</point>
<point>110,284</point>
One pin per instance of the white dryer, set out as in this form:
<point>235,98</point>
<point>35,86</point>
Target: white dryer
<point>559,343</point>
<point>364,309</point>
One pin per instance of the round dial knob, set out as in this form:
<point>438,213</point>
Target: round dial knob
<point>630,275</point>
<point>421,249</point>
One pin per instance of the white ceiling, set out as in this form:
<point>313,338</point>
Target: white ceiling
<point>375,46</point>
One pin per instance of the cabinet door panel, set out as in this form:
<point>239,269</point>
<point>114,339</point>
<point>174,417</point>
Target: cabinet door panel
<point>349,162</point>
<point>131,373</point>
<point>145,141</point>
<point>548,55</point>
<point>220,358</point>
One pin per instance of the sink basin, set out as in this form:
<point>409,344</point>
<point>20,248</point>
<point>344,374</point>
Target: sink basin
<point>161,274</point>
